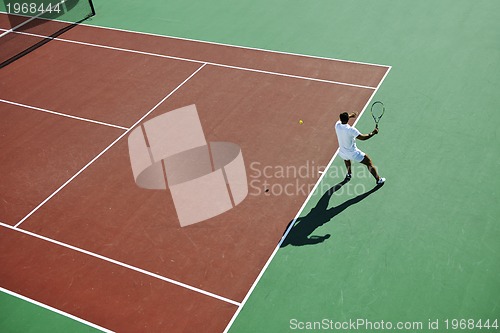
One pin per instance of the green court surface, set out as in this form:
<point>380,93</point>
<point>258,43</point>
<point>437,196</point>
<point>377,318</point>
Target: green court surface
<point>17,315</point>
<point>425,246</point>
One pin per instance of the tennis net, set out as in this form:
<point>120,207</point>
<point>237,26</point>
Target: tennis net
<point>29,24</point>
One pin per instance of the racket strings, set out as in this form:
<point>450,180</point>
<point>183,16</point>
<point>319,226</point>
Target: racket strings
<point>377,110</point>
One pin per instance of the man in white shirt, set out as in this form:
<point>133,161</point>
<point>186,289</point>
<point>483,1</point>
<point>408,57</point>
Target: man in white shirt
<point>347,136</point>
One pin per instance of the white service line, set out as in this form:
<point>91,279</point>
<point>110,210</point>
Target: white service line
<point>48,307</point>
<point>252,288</point>
<point>107,148</point>
<point>197,61</point>
<point>62,114</point>
<point>122,264</point>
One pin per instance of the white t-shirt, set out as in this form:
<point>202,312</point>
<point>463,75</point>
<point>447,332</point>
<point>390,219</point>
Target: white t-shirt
<point>346,135</point>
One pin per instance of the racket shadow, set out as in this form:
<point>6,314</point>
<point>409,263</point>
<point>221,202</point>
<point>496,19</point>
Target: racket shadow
<point>301,232</point>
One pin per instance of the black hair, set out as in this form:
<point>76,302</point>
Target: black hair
<point>344,117</point>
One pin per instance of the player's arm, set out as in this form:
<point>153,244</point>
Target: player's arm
<point>364,137</point>
<point>353,115</point>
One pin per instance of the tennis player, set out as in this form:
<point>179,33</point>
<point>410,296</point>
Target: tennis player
<point>347,135</point>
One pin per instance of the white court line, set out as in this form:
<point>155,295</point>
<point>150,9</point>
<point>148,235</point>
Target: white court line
<point>122,264</point>
<point>106,149</point>
<point>62,114</point>
<point>228,45</point>
<point>236,46</point>
<point>48,307</point>
<point>252,288</point>
<point>195,61</point>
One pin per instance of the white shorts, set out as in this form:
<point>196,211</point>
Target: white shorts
<point>356,155</point>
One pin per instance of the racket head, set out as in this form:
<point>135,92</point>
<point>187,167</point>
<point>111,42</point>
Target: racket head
<point>377,110</point>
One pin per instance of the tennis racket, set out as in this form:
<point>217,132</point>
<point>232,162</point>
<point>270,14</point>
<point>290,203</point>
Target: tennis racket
<point>377,110</point>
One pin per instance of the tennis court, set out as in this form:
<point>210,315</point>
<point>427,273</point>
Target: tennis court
<point>84,248</point>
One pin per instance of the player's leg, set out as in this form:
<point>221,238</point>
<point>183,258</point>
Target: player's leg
<point>369,164</point>
<point>348,166</point>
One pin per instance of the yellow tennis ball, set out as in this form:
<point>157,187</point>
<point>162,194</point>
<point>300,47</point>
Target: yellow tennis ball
<point>301,122</point>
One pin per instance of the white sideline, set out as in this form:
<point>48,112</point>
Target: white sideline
<point>195,61</point>
<point>45,306</point>
<point>119,263</point>
<point>225,44</point>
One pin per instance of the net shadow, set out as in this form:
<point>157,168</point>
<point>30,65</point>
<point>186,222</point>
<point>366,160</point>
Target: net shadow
<point>31,30</point>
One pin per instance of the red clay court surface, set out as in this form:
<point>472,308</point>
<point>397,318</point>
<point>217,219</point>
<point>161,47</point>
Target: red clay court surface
<point>107,251</point>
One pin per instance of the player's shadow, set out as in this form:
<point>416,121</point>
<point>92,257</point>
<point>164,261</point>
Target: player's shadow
<point>301,232</point>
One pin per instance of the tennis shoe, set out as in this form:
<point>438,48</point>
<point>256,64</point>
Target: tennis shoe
<point>380,181</point>
<point>348,176</point>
